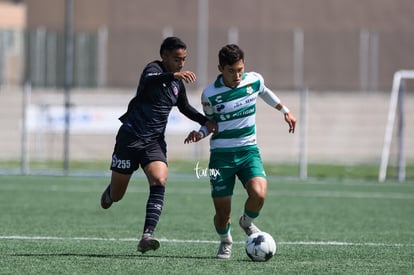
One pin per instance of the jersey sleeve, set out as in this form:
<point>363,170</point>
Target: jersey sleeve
<point>154,73</point>
<point>208,112</point>
<point>269,97</point>
<point>265,93</point>
<point>207,106</point>
<point>262,86</point>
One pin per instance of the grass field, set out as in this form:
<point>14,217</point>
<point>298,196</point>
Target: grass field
<point>337,171</point>
<point>54,225</point>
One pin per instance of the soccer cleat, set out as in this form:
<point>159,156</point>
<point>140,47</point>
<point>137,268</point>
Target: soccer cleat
<point>248,229</point>
<point>224,251</point>
<point>106,200</point>
<point>148,243</point>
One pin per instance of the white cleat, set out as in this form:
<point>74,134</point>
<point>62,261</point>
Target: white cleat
<point>224,251</point>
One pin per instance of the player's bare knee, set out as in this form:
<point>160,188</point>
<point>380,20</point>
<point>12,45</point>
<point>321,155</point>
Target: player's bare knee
<point>258,194</point>
<point>162,181</point>
<point>259,198</point>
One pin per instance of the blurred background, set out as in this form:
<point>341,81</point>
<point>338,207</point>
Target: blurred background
<point>332,62</point>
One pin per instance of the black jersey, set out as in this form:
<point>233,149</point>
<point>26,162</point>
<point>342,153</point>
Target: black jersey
<point>158,91</point>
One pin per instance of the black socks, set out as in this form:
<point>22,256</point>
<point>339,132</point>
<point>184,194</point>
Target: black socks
<point>155,204</point>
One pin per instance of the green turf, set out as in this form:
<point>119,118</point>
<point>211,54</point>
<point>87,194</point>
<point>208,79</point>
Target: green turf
<point>54,225</point>
<point>338,171</point>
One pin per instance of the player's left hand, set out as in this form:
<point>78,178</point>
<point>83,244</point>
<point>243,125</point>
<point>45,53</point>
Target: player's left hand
<point>186,76</point>
<point>194,136</point>
<point>291,121</point>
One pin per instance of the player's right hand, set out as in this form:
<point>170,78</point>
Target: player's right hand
<point>194,136</point>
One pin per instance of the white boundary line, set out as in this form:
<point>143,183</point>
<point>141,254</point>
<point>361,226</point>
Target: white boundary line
<point>318,243</point>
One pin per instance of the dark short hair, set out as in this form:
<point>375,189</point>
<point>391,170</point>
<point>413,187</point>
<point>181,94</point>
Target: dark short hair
<point>230,54</point>
<point>172,43</point>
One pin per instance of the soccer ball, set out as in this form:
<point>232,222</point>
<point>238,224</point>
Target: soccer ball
<point>260,247</point>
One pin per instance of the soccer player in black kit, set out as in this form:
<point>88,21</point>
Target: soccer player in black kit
<point>140,139</point>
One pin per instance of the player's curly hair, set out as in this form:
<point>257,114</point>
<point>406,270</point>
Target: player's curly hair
<point>171,43</point>
<point>230,54</point>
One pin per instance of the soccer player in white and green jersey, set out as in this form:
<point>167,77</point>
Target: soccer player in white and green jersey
<point>231,102</point>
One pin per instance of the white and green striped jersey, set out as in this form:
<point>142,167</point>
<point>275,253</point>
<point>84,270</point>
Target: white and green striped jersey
<point>234,110</point>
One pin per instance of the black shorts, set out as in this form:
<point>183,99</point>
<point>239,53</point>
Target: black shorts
<point>130,152</point>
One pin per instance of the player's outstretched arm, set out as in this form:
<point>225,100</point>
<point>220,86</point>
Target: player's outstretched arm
<point>270,98</point>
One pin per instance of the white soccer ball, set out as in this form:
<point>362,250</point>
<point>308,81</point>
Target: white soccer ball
<point>260,247</point>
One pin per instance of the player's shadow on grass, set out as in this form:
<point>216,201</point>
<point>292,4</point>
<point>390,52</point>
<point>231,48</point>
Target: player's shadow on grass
<point>91,255</point>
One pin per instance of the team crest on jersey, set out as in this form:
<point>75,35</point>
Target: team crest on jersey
<point>249,89</point>
<point>220,107</point>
